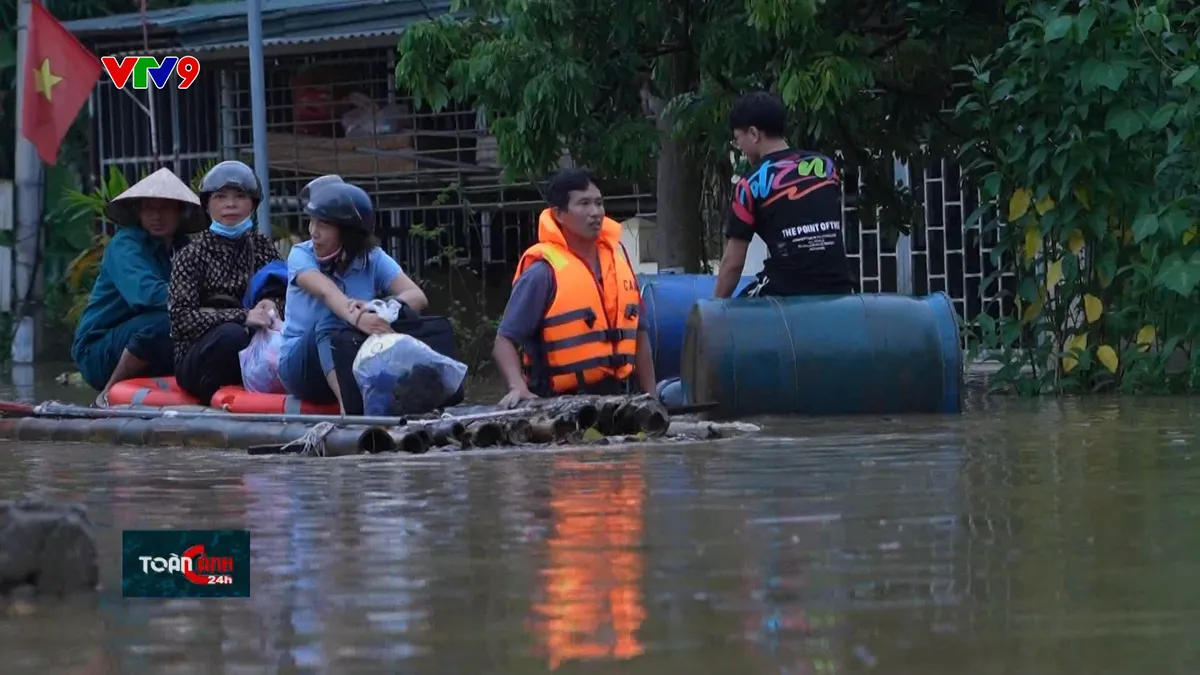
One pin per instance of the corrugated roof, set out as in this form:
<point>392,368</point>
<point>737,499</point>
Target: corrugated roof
<point>317,24</point>
<point>178,16</point>
<point>367,36</point>
<point>224,23</point>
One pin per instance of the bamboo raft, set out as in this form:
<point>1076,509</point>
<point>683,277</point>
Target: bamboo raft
<point>565,420</point>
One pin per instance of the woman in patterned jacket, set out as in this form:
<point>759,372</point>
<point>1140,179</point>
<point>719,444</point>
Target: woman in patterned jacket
<point>209,279</point>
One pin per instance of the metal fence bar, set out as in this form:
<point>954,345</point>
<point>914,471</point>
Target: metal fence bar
<point>904,266</point>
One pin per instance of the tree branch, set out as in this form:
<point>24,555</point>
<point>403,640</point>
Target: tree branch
<point>664,50</point>
<point>888,44</point>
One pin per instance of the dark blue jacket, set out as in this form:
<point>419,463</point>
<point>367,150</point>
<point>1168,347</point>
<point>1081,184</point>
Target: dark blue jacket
<point>134,273</point>
<point>270,281</point>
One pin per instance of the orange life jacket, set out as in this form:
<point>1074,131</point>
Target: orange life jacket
<point>589,334</point>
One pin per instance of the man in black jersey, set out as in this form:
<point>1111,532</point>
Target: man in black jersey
<point>792,200</point>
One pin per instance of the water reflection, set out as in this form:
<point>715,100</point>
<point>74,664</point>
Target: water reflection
<point>590,604</point>
<point>792,621</point>
<point>1039,537</point>
<point>24,380</point>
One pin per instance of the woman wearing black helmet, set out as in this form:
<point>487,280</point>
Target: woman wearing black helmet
<point>209,278</point>
<point>330,278</point>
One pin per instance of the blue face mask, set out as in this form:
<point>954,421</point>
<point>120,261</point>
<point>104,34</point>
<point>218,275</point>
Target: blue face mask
<point>231,231</point>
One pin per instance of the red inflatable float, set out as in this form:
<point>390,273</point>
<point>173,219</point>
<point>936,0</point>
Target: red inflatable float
<point>238,400</point>
<point>164,391</point>
<point>149,391</point>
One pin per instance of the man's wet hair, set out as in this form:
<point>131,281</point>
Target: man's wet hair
<point>563,183</point>
<point>762,110</point>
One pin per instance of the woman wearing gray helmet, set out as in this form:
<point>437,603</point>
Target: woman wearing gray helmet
<point>209,278</point>
<point>330,278</point>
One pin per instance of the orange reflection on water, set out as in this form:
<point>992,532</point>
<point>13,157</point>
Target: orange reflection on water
<point>591,596</point>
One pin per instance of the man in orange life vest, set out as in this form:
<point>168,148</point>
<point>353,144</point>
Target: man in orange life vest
<point>575,308</point>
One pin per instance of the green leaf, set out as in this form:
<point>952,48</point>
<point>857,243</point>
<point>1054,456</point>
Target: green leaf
<point>991,185</point>
<point>1095,74</point>
<point>1028,290</point>
<point>1146,225</point>
<point>1083,24</point>
<point>1184,76</point>
<point>1037,159</point>
<point>1113,75</point>
<point>1162,117</point>
<point>1174,223</point>
<point>987,325</point>
<point>1179,275</point>
<point>1154,23</point>
<point>1058,27</point>
<point>1125,122</point>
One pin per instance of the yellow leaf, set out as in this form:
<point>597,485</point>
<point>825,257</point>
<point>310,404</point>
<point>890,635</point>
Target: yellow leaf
<point>1190,234</point>
<point>1075,242</point>
<point>1074,345</point>
<point>1145,338</point>
<point>1084,197</point>
<point>1127,237</point>
<point>1031,312</point>
<point>1018,205</point>
<point>1054,274</point>
<point>86,265</point>
<point>1108,357</point>
<point>592,434</point>
<point>1092,308</point>
<point>1033,242</point>
<point>1044,204</point>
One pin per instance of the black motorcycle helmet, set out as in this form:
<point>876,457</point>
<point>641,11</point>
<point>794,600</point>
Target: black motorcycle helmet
<point>230,174</point>
<point>316,184</point>
<point>342,205</point>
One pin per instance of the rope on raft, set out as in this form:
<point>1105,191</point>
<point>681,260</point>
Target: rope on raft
<point>312,443</point>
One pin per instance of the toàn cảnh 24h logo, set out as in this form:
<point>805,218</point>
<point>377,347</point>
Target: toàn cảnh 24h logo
<point>185,563</point>
<point>143,70</point>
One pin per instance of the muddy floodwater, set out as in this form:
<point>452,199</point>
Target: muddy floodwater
<point>1024,538</point>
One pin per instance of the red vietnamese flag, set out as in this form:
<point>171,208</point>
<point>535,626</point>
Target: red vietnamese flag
<point>60,76</point>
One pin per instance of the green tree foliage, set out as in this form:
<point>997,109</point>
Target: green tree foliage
<point>1085,130</point>
<point>640,88</point>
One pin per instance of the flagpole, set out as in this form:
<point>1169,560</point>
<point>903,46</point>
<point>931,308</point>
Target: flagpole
<point>27,170</point>
<point>258,110</point>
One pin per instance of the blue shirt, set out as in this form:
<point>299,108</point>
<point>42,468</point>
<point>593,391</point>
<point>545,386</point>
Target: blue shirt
<point>134,274</point>
<point>362,281</point>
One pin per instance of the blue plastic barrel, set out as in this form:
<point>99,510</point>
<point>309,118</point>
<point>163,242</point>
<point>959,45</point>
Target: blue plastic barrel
<point>824,355</point>
<point>668,299</point>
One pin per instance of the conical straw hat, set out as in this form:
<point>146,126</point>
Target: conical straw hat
<point>162,184</point>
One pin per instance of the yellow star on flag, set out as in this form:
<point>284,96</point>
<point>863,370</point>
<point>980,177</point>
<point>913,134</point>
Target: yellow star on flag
<point>44,79</point>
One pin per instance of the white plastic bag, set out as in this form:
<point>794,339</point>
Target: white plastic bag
<point>400,375</point>
<point>260,360</point>
<point>388,310</point>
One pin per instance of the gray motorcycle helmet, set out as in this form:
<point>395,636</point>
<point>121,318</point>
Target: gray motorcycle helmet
<point>317,184</point>
<point>230,174</point>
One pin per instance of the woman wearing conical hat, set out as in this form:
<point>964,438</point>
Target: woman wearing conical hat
<point>125,330</point>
